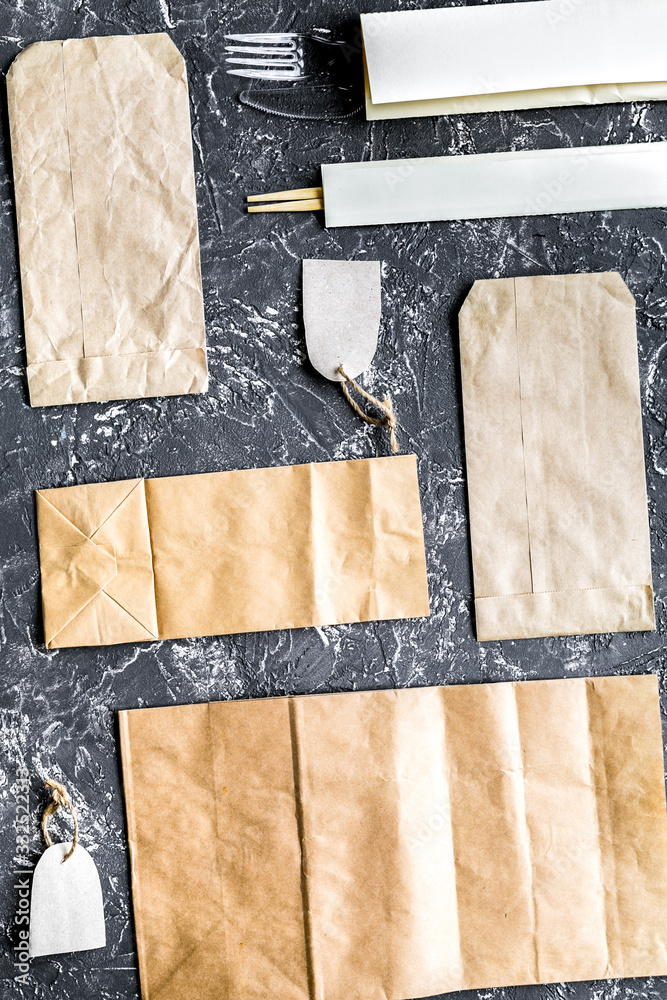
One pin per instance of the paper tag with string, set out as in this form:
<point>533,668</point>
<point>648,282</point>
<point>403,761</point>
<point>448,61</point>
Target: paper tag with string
<point>66,906</point>
<point>341,312</point>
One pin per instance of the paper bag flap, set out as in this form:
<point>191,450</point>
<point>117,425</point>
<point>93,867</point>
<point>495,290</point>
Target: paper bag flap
<point>96,564</point>
<point>73,567</point>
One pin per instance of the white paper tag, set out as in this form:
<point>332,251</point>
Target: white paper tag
<point>341,314</point>
<point>66,906</point>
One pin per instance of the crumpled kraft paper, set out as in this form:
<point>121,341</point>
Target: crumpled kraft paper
<point>224,552</point>
<point>107,220</point>
<point>511,56</point>
<point>555,457</point>
<point>387,845</point>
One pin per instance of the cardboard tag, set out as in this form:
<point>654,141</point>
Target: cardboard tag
<point>66,906</point>
<point>341,313</point>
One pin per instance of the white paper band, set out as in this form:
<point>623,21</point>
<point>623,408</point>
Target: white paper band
<point>496,185</point>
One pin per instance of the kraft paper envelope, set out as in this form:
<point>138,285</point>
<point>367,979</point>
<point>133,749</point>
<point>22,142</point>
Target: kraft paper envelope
<point>504,57</point>
<point>555,457</point>
<point>396,844</point>
<point>225,552</point>
<point>107,220</point>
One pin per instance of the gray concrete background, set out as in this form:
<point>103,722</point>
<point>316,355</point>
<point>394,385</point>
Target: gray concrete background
<point>266,406</point>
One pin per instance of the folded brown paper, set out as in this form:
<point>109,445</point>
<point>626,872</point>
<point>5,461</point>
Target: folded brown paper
<point>555,457</point>
<point>107,220</point>
<point>229,552</point>
<point>395,844</point>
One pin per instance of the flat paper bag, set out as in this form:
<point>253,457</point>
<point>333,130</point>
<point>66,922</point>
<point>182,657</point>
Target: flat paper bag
<point>555,458</point>
<point>227,552</point>
<point>508,56</point>
<point>107,220</point>
<point>395,844</point>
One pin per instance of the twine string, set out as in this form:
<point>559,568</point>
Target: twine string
<point>385,406</point>
<point>59,799</point>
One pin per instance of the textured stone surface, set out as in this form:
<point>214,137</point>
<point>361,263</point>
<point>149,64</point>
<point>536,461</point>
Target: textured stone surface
<point>266,406</point>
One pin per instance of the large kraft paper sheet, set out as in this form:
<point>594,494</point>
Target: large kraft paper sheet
<point>396,844</point>
<point>511,56</point>
<point>225,552</point>
<point>555,457</point>
<point>107,220</point>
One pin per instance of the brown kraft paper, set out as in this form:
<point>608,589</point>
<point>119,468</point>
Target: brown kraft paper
<point>555,458</point>
<point>223,552</point>
<point>388,845</point>
<point>107,220</point>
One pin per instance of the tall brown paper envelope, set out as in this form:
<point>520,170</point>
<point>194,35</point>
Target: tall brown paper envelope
<point>227,552</point>
<point>395,844</point>
<point>107,220</point>
<point>555,457</point>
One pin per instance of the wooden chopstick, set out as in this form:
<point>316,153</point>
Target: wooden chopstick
<point>307,205</point>
<point>298,200</point>
<point>300,194</point>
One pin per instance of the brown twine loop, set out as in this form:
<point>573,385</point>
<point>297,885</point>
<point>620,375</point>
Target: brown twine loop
<point>383,405</point>
<point>59,799</point>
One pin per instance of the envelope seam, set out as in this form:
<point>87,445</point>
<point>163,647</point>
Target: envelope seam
<point>118,505</point>
<point>298,807</point>
<point>118,604</point>
<point>580,590</point>
<point>523,436</point>
<point>152,551</point>
<point>76,229</point>
<point>218,863</point>
<point>164,988</point>
<point>40,494</point>
<point>130,811</point>
<point>76,614</point>
<point>117,357</point>
<point>597,795</point>
<point>372,611</point>
<point>529,846</point>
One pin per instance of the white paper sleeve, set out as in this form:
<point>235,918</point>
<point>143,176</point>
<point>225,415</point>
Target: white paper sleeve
<point>496,185</point>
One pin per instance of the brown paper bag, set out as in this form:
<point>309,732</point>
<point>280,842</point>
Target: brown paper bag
<point>230,552</point>
<point>107,220</point>
<point>555,457</point>
<point>395,844</point>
